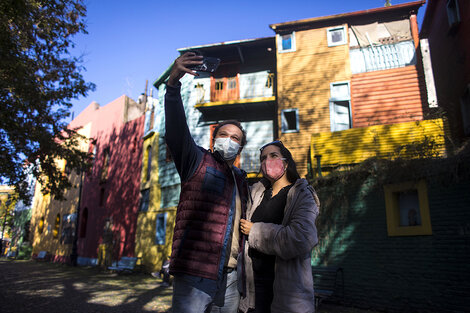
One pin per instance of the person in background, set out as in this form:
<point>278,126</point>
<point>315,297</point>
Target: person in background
<point>206,239</point>
<point>280,235</point>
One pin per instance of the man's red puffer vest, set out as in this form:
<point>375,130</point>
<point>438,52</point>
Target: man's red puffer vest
<point>203,218</point>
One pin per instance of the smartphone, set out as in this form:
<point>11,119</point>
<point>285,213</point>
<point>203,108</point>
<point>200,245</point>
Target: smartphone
<point>209,64</point>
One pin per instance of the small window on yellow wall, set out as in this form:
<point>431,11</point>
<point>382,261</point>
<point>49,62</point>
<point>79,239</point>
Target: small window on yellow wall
<point>336,36</point>
<point>407,209</point>
<point>55,232</point>
<point>41,225</point>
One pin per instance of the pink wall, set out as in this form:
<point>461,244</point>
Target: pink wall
<point>122,186</point>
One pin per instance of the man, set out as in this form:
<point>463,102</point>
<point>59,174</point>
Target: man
<point>206,238</point>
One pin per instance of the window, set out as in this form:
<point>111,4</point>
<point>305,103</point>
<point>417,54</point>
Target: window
<point>465,107</point>
<point>336,36</point>
<point>102,196</point>
<point>219,85</point>
<point>286,43</point>
<point>149,162</point>
<point>453,13</point>
<point>144,200</point>
<point>407,209</point>
<point>83,223</point>
<point>55,232</point>
<point>290,121</point>
<point>232,82</point>
<point>340,110</point>
<point>41,225</point>
<point>104,169</point>
<point>160,232</point>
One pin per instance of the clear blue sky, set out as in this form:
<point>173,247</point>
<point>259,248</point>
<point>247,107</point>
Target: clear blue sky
<point>129,42</point>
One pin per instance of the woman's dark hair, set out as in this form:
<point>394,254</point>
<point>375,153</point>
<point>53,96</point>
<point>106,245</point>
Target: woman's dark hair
<point>291,172</point>
<point>233,122</point>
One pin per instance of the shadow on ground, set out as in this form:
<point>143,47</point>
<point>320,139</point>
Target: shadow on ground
<point>29,286</point>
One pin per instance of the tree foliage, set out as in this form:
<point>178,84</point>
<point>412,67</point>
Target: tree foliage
<point>39,77</point>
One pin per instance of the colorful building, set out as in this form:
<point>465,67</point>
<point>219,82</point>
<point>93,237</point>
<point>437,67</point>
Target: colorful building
<point>351,71</point>
<point>242,88</point>
<point>53,221</point>
<point>109,191</point>
<point>7,206</point>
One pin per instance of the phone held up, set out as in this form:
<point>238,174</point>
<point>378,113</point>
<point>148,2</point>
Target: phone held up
<point>209,64</point>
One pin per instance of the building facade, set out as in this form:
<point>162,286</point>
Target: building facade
<point>446,26</point>
<point>348,71</point>
<point>72,230</point>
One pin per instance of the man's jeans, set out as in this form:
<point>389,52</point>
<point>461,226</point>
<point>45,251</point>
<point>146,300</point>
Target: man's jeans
<point>193,294</point>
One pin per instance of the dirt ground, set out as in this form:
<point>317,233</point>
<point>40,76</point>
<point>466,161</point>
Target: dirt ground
<point>31,286</point>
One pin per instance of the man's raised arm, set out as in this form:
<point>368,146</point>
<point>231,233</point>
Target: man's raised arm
<point>186,154</point>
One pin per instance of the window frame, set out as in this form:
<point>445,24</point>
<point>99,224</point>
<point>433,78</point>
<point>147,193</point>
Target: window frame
<point>284,121</point>
<point>148,169</point>
<point>144,204</point>
<point>329,38</point>
<point>160,240</point>
<point>392,210</point>
<point>333,99</point>
<point>293,43</point>
<point>465,110</point>
<point>452,10</point>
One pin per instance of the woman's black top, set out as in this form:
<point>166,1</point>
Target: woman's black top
<point>270,210</point>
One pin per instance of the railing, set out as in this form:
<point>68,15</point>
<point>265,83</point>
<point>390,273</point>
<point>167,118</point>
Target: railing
<point>382,57</point>
<point>254,85</point>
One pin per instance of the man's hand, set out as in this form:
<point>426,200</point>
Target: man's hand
<point>245,226</point>
<point>180,67</point>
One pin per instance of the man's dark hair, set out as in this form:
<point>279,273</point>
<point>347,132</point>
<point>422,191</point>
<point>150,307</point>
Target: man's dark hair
<point>233,122</point>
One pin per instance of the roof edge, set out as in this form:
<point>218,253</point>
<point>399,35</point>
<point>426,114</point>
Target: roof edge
<point>411,5</point>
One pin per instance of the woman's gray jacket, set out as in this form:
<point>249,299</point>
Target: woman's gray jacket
<point>291,243</point>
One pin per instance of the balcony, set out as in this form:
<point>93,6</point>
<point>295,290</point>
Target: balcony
<point>236,97</point>
<point>382,57</point>
<point>420,139</point>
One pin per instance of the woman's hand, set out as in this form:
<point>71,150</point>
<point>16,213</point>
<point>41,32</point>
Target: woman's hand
<point>245,226</point>
<point>181,67</point>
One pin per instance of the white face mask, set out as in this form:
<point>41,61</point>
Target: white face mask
<point>227,148</point>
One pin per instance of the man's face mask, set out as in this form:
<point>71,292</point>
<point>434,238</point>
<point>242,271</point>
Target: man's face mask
<point>227,148</point>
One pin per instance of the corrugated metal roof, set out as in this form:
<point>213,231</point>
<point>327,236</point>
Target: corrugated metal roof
<point>224,43</point>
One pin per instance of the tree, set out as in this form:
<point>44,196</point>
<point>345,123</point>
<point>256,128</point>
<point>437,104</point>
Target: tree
<point>39,77</point>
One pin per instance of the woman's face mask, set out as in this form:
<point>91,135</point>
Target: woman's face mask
<point>227,148</point>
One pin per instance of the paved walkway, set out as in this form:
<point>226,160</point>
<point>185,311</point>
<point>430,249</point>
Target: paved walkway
<point>30,286</point>
<point>42,287</point>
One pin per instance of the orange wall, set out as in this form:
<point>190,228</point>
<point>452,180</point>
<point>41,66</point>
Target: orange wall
<point>304,78</point>
<point>386,97</point>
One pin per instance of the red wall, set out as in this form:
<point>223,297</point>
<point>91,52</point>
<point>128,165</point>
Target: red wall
<point>450,56</point>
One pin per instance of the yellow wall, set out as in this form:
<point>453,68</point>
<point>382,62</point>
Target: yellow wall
<point>357,144</point>
<point>151,254</point>
<point>46,207</point>
<point>304,78</point>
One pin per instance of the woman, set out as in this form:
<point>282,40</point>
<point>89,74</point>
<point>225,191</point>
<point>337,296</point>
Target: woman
<point>281,233</point>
